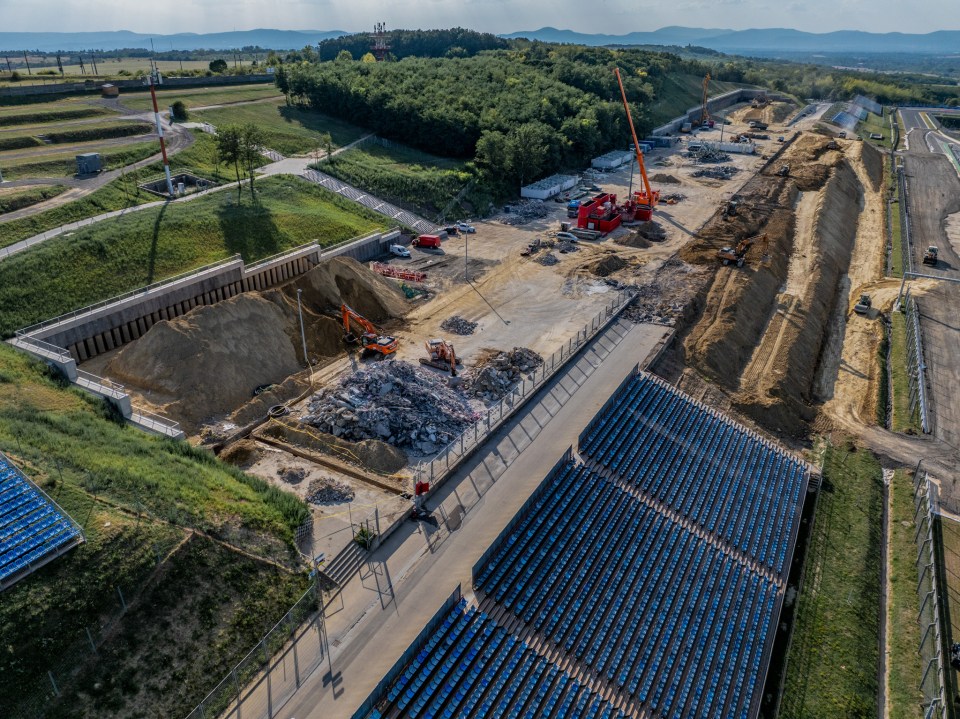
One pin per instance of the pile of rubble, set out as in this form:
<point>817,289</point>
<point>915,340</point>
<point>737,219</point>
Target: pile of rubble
<point>666,298</point>
<point>565,246</point>
<point>458,325</point>
<point>495,378</point>
<point>548,259</point>
<point>293,475</point>
<point>393,402</point>
<point>723,172</point>
<point>707,154</point>
<point>327,490</point>
<point>523,212</point>
<point>673,198</point>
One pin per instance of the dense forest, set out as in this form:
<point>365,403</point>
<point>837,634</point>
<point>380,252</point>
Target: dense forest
<point>456,42</point>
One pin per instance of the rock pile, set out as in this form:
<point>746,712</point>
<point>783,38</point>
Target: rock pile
<point>458,325</point>
<point>327,490</point>
<point>393,402</point>
<point>523,212</point>
<point>548,259</point>
<point>292,475</point>
<point>709,154</point>
<point>724,172</point>
<point>501,373</point>
<point>565,246</point>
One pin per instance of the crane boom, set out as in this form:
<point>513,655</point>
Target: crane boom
<point>704,112</point>
<point>647,199</point>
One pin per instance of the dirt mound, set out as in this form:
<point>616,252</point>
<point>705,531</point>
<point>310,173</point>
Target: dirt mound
<point>343,279</point>
<point>212,358</point>
<point>243,454</point>
<point>873,163</point>
<point>282,393</point>
<point>607,265</point>
<point>371,454</point>
<point>665,179</point>
<point>635,240</point>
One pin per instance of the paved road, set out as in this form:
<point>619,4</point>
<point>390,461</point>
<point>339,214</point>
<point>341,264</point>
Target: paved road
<point>408,579</point>
<point>933,189</point>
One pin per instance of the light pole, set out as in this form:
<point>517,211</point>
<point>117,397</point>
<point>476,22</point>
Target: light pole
<point>466,262</point>
<point>303,336</point>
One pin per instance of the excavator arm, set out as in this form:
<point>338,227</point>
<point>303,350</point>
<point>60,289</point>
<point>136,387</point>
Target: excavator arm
<point>348,315</point>
<point>648,196</point>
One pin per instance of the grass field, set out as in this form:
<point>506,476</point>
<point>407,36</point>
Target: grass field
<point>408,177</point>
<point>903,419</point>
<point>875,124</point>
<point>64,164</point>
<point>195,605</point>
<point>117,255</point>
<point>680,93</point>
<point>49,112</point>
<point>288,130</point>
<point>833,659</point>
<point>13,199</point>
<point>199,96</point>
<point>947,532</point>
<point>904,638</point>
<point>30,137</point>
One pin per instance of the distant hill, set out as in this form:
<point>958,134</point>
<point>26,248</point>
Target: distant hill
<point>764,42</point>
<point>72,41</point>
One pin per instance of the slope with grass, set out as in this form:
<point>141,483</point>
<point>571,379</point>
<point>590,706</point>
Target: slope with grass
<point>833,659</point>
<point>679,93</point>
<point>200,552</point>
<point>30,137</point>
<point>198,97</point>
<point>287,129</point>
<point>64,164</point>
<point>107,258</point>
<point>49,112</point>
<point>13,199</point>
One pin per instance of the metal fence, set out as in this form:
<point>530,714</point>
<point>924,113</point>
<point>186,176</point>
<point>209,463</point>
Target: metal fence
<point>932,683</point>
<point>264,680</point>
<point>916,368</point>
<point>906,242</point>
<point>450,456</point>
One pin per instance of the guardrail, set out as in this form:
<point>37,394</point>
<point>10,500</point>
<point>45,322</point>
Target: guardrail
<point>42,347</point>
<point>156,422</point>
<point>916,366</point>
<point>450,456</point>
<point>100,385</point>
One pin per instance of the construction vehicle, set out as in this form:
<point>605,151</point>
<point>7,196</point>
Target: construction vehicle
<point>644,201</point>
<point>784,171</point>
<point>931,256</point>
<point>738,254</point>
<point>432,241</point>
<point>706,121</point>
<point>833,145</point>
<point>370,340</point>
<point>757,125</point>
<point>440,354</point>
<point>573,208</point>
<point>863,306</point>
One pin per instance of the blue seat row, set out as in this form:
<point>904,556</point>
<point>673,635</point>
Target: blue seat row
<point>702,466</point>
<point>471,666</point>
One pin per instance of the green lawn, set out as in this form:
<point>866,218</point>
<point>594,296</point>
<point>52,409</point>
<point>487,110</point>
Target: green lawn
<point>832,663</point>
<point>199,96</point>
<point>289,130</point>
<point>28,137</point>
<point>49,112</point>
<point>405,176</point>
<point>875,124</point>
<point>904,638</point>
<point>903,420</point>
<point>199,158</point>
<point>18,198</point>
<point>195,606</point>
<point>117,255</point>
<point>64,164</point>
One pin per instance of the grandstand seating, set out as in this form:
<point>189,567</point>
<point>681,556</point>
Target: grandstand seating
<point>471,666</point>
<point>31,526</point>
<point>702,466</point>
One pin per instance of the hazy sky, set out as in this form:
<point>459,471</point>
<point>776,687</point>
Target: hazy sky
<point>500,16</point>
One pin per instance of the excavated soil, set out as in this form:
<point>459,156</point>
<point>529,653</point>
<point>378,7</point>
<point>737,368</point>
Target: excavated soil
<point>371,454</point>
<point>763,327</point>
<point>210,361</point>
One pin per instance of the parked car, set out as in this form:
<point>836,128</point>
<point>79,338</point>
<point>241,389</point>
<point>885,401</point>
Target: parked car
<point>451,230</point>
<point>399,251</point>
<point>568,236</point>
<point>464,227</point>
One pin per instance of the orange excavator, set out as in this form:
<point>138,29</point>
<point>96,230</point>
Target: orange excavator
<point>369,339</point>
<point>440,354</point>
<point>738,254</point>
<point>646,199</point>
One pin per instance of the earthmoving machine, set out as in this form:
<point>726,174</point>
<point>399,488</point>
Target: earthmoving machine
<point>644,201</point>
<point>372,342</point>
<point>784,171</point>
<point>931,255</point>
<point>440,354</point>
<point>738,254</point>
<point>705,119</point>
<point>863,306</point>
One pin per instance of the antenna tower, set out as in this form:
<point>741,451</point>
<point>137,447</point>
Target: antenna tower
<point>378,42</point>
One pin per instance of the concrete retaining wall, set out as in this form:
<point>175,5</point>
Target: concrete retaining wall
<point>88,333</point>
<point>714,104</point>
<point>65,88</point>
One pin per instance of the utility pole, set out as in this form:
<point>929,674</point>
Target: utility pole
<point>29,71</point>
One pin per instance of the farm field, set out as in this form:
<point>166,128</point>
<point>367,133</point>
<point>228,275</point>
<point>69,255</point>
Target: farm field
<point>112,257</point>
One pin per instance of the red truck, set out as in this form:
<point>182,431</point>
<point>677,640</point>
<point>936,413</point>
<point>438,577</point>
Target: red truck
<point>427,241</point>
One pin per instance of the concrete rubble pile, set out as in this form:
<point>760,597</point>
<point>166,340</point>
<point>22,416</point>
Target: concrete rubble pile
<point>327,490</point>
<point>458,325</point>
<point>707,154</point>
<point>523,212</point>
<point>565,246</point>
<point>723,172</point>
<point>293,475</point>
<point>393,402</point>
<point>495,379</point>
<point>665,299</point>
<point>548,259</point>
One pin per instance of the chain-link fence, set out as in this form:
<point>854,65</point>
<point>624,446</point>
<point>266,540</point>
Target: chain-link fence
<point>264,680</point>
<point>932,683</point>
<point>916,368</point>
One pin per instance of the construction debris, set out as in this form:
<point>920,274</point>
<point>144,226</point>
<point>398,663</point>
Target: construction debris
<point>723,172</point>
<point>523,212</point>
<point>393,402</point>
<point>707,154</point>
<point>292,475</point>
<point>458,325</point>
<point>548,259</point>
<point>565,246</point>
<point>494,378</point>
<point>673,198</point>
<point>327,490</point>
<point>666,298</point>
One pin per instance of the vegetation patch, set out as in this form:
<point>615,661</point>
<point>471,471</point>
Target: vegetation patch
<point>26,138</point>
<point>55,112</point>
<point>201,554</point>
<point>875,125</point>
<point>108,258</point>
<point>17,199</point>
<point>903,420</point>
<point>833,658</point>
<point>198,97</point>
<point>64,164</point>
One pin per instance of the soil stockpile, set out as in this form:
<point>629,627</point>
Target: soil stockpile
<point>393,402</point>
<point>212,358</point>
<point>665,179</point>
<point>243,454</point>
<point>371,454</point>
<point>607,265</point>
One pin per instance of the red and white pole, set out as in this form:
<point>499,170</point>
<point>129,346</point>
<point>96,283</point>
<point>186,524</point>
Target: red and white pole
<point>163,146</point>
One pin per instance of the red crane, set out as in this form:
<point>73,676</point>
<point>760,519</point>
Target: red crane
<point>647,198</point>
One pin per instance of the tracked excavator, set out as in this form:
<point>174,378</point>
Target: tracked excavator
<point>440,354</point>
<point>369,339</point>
<point>738,254</point>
